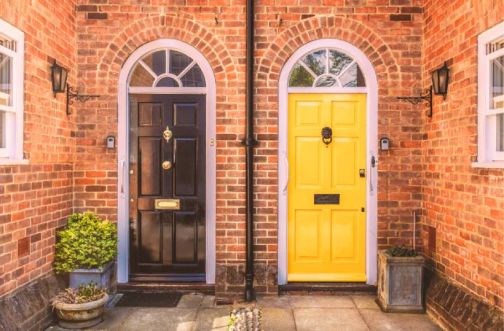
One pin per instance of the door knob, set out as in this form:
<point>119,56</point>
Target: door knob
<point>166,165</point>
<point>167,134</point>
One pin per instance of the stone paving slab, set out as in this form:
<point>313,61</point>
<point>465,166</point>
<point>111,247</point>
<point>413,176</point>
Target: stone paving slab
<point>379,321</point>
<point>278,319</point>
<point>214,319</point>
<point>319,301</point>
<point>334,319</point>
<point>198,312</point>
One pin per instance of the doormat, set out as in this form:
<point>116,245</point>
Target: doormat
<point>148,299</point>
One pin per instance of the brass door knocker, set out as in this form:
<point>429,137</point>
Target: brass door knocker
<point>326,135</point>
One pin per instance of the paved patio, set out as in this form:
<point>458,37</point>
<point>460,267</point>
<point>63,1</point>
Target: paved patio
<point>288,312</point>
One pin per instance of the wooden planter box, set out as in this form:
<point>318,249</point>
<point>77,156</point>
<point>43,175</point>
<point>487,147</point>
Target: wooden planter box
<point>400,283</point>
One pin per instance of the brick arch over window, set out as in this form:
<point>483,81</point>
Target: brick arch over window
<point>180,27</point>
<point>351,31</point>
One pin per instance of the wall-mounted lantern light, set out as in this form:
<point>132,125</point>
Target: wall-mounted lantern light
<point>440,81</point>
<point>439,87</point>
<point>59,77</point>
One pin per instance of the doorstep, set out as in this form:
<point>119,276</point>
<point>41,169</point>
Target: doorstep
<point>325,288</point>
<point>168,287</point>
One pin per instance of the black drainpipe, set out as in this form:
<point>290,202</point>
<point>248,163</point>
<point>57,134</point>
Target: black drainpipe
<point>249,143</point>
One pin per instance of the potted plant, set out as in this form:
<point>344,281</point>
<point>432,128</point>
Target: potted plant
<point>400,285</point>
<point>80,308</point>
<point>86,249</point>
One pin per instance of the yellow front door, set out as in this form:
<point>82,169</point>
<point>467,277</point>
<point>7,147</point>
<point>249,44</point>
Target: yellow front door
<point>327,188</point>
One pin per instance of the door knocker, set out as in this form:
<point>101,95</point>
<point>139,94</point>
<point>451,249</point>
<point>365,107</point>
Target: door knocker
<point>167,134</point>
<point>327,135</point>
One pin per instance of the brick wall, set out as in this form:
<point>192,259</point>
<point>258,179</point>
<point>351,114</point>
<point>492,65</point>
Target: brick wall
<point>389,32</point>
<point>428,168</point>
<point>36,198</point>
<point>463,205</point>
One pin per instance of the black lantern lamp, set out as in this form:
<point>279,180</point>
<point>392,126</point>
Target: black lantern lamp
<point>440,81</point>
<point>439,87</point>
<point>59,77</point>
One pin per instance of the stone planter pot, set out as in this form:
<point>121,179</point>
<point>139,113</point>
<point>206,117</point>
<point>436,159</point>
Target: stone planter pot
<point>101,277</point>
<point>80,315</point>
<point>400,283</point>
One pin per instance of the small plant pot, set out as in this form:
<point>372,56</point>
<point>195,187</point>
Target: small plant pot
<point>400,283</point>
<point>80,315</point>
<point>101,277</point>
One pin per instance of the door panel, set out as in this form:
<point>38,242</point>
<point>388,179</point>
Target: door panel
<point>327,240</point>
<point>167,244</point>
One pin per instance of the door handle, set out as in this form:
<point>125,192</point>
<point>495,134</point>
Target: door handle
<point>167,134</point>
<point>166,165</point>
<point>286,163</point>
<point>374,162</point>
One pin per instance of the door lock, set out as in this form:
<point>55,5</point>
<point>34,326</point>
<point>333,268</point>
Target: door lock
<point>167,134</point>
<point>362,173</point>
<point>166,165</point>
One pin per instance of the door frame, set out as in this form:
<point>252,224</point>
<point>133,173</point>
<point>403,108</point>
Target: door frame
<point>371,90</point>
<point>123,149</point>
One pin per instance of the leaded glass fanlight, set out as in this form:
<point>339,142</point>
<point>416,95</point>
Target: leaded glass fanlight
<point>326,68</point>
<point>167,68</point>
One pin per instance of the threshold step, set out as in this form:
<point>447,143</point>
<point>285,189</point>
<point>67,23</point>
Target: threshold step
<point>167,287</point>
<point>325,288</point>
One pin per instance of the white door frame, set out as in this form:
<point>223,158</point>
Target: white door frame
<point>371,90</point>
<point>123,149</point>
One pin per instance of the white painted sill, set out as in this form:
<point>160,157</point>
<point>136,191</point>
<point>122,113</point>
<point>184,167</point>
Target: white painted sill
<point>488,165</point>
<point>4,161</point>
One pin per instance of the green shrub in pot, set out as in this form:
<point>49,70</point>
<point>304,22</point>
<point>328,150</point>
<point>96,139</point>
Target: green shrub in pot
<point>86,245</point>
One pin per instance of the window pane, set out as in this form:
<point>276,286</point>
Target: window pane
<point>8,42</point>
<point>352,77</point>
<point>156,61</point>
<point>497,83</point>
<point>178,62</point>
<point>495,45</point>
<point>326,81</point>
<point>194,77</point>
<point>316,61</point>
<point>337,62</point>
<point>167,82</point>
<point>300,77</point>
<point>141,77</point>
<point>5,80</point>
<point>500,133</point>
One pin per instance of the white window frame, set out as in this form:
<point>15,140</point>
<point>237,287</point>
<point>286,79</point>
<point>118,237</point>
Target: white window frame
<point>488,157</point>
<point>13,152</point>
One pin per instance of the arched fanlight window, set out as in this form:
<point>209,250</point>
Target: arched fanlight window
<point>167,68</point>
<point>326,68</point>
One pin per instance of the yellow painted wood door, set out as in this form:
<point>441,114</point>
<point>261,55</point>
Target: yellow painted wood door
<point>327,242</point>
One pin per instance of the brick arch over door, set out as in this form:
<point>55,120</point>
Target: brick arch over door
<point>345,29</point>
<point>180,27</point>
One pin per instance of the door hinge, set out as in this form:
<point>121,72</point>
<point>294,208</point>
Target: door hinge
<point>363,209</point>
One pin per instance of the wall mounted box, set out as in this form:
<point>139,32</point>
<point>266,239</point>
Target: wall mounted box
<point>400,283</point>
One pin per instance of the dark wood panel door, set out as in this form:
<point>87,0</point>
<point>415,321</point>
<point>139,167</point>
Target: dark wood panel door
<point>167,167</point>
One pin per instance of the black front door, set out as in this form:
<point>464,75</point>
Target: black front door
<point>167,187</point>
